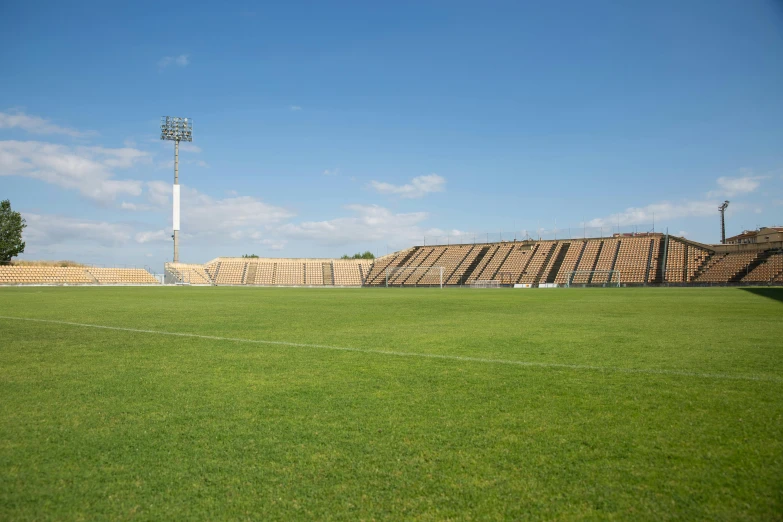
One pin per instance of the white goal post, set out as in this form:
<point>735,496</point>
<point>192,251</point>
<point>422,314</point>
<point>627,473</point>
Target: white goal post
<point>484,283</point>
<point>593,278</point>
<point>414,275</point>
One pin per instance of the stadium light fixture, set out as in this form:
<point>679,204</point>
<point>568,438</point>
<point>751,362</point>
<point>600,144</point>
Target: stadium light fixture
<point>173,128</point>
<point>722,210</point>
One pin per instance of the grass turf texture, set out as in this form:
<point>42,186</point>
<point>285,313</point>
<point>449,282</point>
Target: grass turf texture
<point>99,423</point>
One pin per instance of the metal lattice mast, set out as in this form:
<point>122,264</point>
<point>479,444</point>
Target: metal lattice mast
<point>722,210</point>
<point>176,129</point>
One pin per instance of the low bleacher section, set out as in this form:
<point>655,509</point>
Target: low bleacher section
<point>82,275</point>
<point>225,271</point>
<point>190,274</point>
<point>122,276</point>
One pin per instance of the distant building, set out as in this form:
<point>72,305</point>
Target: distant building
<point>762,235</point>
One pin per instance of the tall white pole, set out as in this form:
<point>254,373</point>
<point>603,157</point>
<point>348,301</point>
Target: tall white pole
<point>175,194</point>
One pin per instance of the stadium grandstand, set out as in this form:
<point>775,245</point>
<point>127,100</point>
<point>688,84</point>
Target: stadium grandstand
<point>628,259</point>
<point>637,259</point>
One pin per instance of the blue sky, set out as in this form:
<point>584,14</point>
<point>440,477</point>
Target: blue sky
<point>329,127</point>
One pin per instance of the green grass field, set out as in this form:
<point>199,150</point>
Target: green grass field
<point>631,404</point>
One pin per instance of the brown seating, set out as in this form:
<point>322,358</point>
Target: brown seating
<point>727,267</point>
<point>767,271</point>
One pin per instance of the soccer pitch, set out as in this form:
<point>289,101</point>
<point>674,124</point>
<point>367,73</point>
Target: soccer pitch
<point>348,404</point>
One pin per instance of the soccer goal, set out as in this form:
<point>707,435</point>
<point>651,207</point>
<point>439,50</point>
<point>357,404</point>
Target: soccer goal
<point>414,276</point>
<point>494,283</point>
<point>594,278</point>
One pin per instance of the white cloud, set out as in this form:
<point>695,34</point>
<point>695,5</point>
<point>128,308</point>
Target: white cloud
<point>202,163</point>
<point>181,61</point>
<point>683,233</point>
<point>331,172</point>
<point>47,230</point>
<point>37,125</point>
<point>159,193</point>
<point>274,244</point>
<point>295,108</point>
<point>732,186</point>
<point>657,211</point>
<point>203,214</point>
<point>135,207</point>
<point>369,223</point>
<point>86,169</point>
<point>744,184</point>
<point>153,236</point>
<point>417,188</point>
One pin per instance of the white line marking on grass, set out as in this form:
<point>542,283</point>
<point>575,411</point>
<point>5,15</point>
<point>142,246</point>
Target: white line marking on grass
<point>606,369</point>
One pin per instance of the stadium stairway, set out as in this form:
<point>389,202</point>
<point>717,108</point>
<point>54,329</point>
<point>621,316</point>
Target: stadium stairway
<point>558,262</point>
<point>328,272</point>
<point>250,276</point>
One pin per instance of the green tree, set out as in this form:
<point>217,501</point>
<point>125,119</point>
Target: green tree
<point>251,256</point>
<point>11,226</point>
<point>365,255</point>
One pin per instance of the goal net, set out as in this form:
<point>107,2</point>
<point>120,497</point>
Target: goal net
<point>414,276</point>
<point>594,278</point>
<point>494,283</point>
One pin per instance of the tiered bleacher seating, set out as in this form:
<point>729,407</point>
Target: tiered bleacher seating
<point>675,262</point>
<point>429,260</point>
<point>377,273</point>
<point>514,264</point>
<point>346,273</point>
<point>211,268</point>
<point>289,273</point>
<point>536,264</point>
<point>264,273</point>
<point>365,265</point>
<point>464,257</point>
<point>474,276</point>
<point>415,260</point>
<point>767,271</point>
<point>122,276</point>
<point>503,251</point>
<point>654,273</point>
<point>314,273</point>
<point>56,275</point>
<point>638,260</point>
<point>606,260</point>
<point>19,275</point>
<point>569,261</point>
<point>446,257</point>
<point>727,267</point>
<point>231,271</point>
<point>553,257</point>
<point>189,273</point>
<point>696,258</point>
<point>588,261</point>
<point>632,259</point>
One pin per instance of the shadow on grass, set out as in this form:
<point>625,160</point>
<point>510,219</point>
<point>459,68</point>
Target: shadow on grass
<point>772,293</point>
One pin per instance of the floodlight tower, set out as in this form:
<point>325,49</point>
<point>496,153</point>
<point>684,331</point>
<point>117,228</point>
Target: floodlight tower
<point>176,129</point>
<point>722,210</point>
